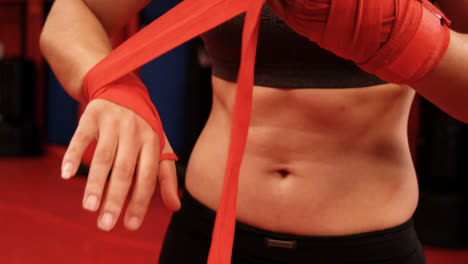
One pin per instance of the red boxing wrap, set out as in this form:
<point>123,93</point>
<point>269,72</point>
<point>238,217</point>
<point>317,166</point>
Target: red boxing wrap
<point>130,92</point>
<point>188,19</point>
<point>417,44</point>
<point>400,41</point>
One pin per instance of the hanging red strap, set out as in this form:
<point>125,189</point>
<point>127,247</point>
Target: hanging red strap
<point>223,232</point>
<point>184,22</point>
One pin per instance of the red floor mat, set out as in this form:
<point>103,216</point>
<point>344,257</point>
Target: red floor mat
<point>41,220</point>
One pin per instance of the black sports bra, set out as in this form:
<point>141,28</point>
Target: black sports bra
<point>284,59</point>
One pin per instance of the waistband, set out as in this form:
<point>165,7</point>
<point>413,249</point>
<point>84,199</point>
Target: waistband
<point>388,244</point>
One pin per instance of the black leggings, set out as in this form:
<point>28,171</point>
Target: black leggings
<point>189,234</point>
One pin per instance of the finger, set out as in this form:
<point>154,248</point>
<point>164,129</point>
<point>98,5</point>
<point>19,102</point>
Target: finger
<point>121,178</point>
<point>167,178</point>
<point>145,183</point>
<point>101,164</point>
<point>85,133</point>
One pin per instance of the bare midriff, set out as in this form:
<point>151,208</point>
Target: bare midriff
<point>318,162</point>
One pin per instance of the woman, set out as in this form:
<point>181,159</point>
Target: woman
<point>326,176</point>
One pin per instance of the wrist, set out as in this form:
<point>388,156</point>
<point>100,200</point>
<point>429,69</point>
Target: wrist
<point>129,92</point>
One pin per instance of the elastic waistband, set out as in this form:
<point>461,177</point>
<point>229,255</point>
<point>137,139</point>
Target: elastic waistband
<point>392,243</point>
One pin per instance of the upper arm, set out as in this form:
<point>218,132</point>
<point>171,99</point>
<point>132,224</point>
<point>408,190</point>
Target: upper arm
<point>113,14</point>
<point>457,11</point>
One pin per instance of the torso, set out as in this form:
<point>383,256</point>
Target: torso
<point>317,161</point>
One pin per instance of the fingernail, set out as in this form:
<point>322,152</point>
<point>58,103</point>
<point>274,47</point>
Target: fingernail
<point>67,170</point>
<point>133,223</point>
<point>107,221</point>
<point>91,203</point>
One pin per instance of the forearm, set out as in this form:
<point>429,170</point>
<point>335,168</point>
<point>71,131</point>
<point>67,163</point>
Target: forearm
<point>73,41</point>
<point>447,85</point>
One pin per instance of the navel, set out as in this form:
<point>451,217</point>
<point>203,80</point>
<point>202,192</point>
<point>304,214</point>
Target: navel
<point>283,173</point>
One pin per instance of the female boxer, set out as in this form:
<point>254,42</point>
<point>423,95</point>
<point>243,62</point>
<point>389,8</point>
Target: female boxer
<point>326,176</point>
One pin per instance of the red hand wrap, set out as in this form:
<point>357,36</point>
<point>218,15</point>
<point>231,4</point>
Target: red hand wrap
<point>185,21</point>
<point>399,41</point>
<point>193,17</point>
<point>130,92</point>
<point>418,42</point>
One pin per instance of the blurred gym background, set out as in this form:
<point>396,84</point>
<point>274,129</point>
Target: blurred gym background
<point>41,220</point>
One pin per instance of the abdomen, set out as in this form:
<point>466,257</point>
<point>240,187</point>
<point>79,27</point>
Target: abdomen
<point>317,161</point>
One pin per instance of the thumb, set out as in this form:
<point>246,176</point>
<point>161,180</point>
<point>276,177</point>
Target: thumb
<point>167,178</point>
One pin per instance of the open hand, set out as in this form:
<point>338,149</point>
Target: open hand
<point>127,145</point>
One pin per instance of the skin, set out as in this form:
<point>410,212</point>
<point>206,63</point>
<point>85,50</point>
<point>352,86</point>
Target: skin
<point>336,163</point>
